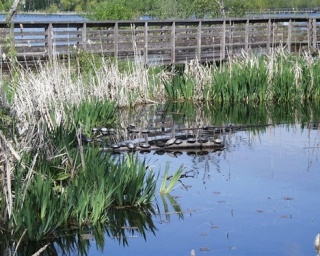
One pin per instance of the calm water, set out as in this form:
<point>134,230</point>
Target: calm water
<point>258,196</point>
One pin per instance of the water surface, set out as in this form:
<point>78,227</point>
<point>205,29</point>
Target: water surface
<point>258,196</point>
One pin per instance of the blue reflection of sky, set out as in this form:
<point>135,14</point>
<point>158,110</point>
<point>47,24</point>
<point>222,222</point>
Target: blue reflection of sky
<point>43,17</point>
<point>260,196</point>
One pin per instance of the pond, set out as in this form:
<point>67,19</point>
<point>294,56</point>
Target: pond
<point>259,195</point>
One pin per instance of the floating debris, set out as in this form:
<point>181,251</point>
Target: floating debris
<point>288,198</point>
<point>205,249</point>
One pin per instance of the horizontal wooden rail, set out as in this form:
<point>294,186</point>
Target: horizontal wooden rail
<point>159,42</point>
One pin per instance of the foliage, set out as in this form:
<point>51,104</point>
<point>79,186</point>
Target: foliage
<point>112,10</point>
<point>164,188</point>
<point>278,77</point>
<point>181,87</point>
<point>124,9</point>
<point>94,113</point>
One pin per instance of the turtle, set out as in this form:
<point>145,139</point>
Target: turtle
<point>134,130</point>
<point>111,131</point>
<point>115,146</point>
<point>178,141</point>
<point>131,126</point>
<point>131,146</point>
<point>145,131</point>
<point>160,143</point>
<point>202,140</point>
<point>85,138</point>
<point>144,145</point>
<point>217,141</point>
<point>104,130</point>
<point>191,140</point>
<point>170,141</point>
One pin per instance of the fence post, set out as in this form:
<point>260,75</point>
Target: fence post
<point>116,39</point>
<point>314,29</point>
<point>289,35</point>
<point>173,43</point>
<point>84,36</point>
<point>198,54</point>
<point>246,39</point>
<point>269,31</point>
<point>146,43</point>
<point>223,41</point>
<point>49,40</point>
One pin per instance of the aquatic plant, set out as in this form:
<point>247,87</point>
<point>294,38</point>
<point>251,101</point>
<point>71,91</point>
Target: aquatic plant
<point>181,87</point>
<point>173,179</point>
<point>278,77</point>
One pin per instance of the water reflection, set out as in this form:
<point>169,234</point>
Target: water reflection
<point>123,224</point>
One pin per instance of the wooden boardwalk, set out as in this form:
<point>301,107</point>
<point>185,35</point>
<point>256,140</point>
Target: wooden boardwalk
<point>160,42</point>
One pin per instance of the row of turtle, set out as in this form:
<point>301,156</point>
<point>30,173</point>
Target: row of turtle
<point>172,143</point>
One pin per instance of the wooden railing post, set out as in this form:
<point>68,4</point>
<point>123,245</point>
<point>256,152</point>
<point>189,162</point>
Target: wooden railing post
<point>223,41</point>
<point>289,35</point>
<point>49,40</point>
<point>314,34</point>
<point>199,36</point>
<point>173,43</point>
<point>246,37</point>
<point>269,36</point>
<point>146,43</point>
<point>310,34</point>
<point>116,39</point>
<point>84,36</point>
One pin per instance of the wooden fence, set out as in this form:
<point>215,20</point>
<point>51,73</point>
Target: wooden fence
<point>160,42</point>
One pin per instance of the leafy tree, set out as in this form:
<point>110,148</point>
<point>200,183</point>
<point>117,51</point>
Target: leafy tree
<point>205,8</point>
<point>113,10</point>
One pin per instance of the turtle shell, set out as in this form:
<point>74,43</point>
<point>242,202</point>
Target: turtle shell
<point>115,146</point>
<point>112,131</point>
<point>160,143</point>
<point>170,141</point>
<point>217,141</point>
<point>131,146</point>
<point>134,130</point>
<point>144,145</point>
<point>85,138</point>
<point>202,140</point>
<point>178,141</point>
<point>104,130</point>
<point>145,131</point>
<point>191,140</point>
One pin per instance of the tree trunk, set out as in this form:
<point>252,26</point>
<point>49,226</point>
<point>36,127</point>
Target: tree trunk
<point>12,11</point>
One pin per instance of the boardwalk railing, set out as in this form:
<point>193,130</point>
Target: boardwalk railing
<point>160,42</point>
